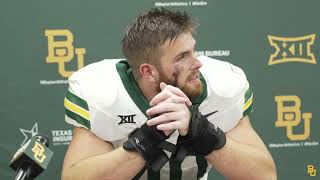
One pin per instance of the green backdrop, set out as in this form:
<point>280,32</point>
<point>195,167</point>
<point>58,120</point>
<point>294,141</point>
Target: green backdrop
<point>276,43</point>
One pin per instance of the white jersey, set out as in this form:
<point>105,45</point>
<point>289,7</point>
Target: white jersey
<point>104,98</point>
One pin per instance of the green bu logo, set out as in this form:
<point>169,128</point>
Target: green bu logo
<point>62,51</point>
<point>292,49</point>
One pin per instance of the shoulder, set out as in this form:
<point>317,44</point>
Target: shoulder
<point>96,82</point>
<point>223,78</point>
<point>92,97</point>
<point>94,70</point>
<point>227,88</point>
<point>98,100</point>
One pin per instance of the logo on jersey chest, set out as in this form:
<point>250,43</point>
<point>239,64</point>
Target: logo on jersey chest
<point>125,119</point>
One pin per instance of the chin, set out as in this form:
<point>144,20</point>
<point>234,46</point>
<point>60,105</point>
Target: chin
<point>192,90</point>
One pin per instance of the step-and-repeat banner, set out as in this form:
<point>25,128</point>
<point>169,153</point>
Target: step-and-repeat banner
<point>275,42</point>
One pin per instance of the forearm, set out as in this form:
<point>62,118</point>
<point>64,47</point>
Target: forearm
<point>116,164</point>
<point>241,161</point>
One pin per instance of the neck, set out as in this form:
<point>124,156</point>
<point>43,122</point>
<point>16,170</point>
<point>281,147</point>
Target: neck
<point>148,89</point>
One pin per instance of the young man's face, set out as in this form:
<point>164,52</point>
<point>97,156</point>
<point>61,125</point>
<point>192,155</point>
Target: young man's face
<point>179,66</point>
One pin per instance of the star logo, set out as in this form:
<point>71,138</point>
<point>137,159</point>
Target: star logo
<point>28,134</point>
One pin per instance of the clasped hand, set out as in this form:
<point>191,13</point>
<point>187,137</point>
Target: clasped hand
<point>169,110</point>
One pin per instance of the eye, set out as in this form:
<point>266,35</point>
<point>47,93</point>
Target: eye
<point>181,57</point>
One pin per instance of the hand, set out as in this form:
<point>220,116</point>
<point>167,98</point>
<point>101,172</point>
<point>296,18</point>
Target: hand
<point>170,110</point>
<point>145,140</point>
<point>203,136</point>
<point>170,94</point>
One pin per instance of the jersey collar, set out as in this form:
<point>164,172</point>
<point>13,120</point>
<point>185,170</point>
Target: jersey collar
<point>135,93</point>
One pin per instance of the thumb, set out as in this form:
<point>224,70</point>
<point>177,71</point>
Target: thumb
<point>162,85</point>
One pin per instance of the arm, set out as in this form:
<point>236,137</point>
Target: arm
<point>89,157</point>
<point>244,156</point>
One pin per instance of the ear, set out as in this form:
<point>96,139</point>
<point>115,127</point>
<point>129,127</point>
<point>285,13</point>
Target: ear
<point>149,72</point>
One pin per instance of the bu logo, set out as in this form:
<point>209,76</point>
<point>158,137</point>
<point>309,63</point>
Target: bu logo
<point>311,170</point>
<point>289,116</point>
<point>126,119</point>
<point>38,151</point>
<point>62,51</point>
<point>292,49</point>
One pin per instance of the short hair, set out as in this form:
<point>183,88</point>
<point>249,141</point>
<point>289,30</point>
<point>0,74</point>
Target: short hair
<point>149,31</point>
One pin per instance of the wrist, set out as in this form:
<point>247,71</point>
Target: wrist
<point>145,141</point>
<point>203,137</point>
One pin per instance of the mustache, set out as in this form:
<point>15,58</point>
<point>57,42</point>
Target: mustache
<point>194,73</point>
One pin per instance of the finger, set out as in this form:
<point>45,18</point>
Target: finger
<point>163,95</point>
<point>168,92</point>
<point>177,91</point>
<point>163,118</point>
<point>173,126</point>
<point>170,126</point>
<point>162,85</point>
<point>162,108</point>
<point>176,99</point>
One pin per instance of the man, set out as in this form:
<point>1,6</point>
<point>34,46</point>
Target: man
<point>125,112</point>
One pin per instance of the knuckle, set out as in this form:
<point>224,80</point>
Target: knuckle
<point>167,93</point>
<point>165,116</point>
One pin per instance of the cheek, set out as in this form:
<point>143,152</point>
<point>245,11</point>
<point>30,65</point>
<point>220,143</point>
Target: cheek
<point>181,72</point>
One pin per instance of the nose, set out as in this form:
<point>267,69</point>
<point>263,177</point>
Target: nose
<point>196,64</point>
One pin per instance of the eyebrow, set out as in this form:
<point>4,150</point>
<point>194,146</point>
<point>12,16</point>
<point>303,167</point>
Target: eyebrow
<point>184,52</point>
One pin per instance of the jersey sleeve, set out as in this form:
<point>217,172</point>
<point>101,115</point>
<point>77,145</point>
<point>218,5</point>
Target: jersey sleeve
<point>76,107</point>
<point>245,93</point>
<point>248,102</point>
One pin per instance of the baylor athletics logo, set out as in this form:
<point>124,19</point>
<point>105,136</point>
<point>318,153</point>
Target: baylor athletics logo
<point>39,152</point>
<point>292,49</point>
<point>289,115</point>
<point>62,51</point>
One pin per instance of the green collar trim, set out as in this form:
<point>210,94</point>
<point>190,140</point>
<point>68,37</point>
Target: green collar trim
<point>204,92</point>
<point>135,93</point>
<point>131,86</point>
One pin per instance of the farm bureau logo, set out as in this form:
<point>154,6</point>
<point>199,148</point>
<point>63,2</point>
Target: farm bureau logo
<point>292,49</point>
<point>62,51</point>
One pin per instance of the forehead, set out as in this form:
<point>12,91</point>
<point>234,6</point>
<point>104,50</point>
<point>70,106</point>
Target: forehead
<point>183,43</point>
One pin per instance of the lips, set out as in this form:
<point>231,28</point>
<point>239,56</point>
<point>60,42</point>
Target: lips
<point>194,77</point>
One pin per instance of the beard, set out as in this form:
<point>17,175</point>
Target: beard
<point>191,90</point>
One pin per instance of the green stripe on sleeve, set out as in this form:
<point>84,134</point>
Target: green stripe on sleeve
<point>78,118</point>
<point>77,100</point>
<point>247,94</point>
<point>247,111</point>
<point>248,103</point>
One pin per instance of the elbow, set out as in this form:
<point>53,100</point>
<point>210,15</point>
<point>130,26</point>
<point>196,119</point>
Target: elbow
<point>270,172</point>
<point>273,171</point>
<point>264,171</point>
<point>65,175</point>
